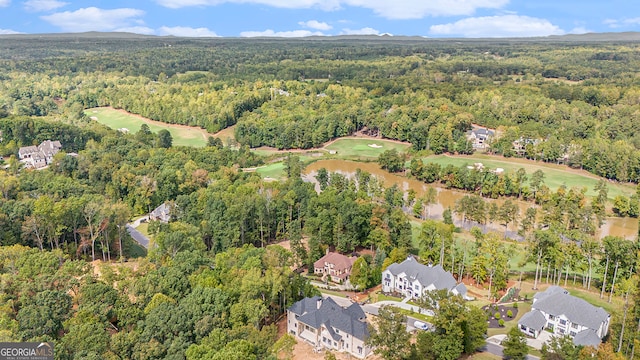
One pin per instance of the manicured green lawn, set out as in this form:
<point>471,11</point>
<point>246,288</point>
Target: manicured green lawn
<point>143,228</point>
<point>555,175</point>
<point>115,119</point>
<point>359,148</point>
<point>274,171</point>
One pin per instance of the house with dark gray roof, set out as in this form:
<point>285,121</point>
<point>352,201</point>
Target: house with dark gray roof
<point>480,137</point>
<point>412,279</point>
<point>39,156</point>
<point>324,324</point>
<point>563,314</point>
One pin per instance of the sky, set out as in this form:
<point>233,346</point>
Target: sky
<point>298,18</point>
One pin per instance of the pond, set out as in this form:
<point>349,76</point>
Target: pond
<point>624,227</point>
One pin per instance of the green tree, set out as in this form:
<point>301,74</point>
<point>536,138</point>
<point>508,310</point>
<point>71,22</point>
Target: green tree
<point>165,140</point>
<point>360,274</point>
<point>536,181</point>
<point>390,338</point>
<point>599,202</point>
<point>515,345</point>
<point>391,160</point>
<point>560,348</point>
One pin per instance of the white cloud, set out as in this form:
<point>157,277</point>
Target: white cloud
<point>5,3</point>
<point>8,32</point>
<point>498,26</point>
<point>579,30</point>
<point>95,19</point>
<point>363,31</point>
<point>618,23</point>
<point>288,4</point>
<point>315,24</point>
<point>43,5</point>
<point>398,9</point>
<point>289,34</point>
<point>136,30</point>
<point>418,9</point>
<point>187,31</point>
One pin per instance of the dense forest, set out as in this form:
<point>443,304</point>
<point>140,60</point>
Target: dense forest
<point>580,98</point>
<point>213,285</point>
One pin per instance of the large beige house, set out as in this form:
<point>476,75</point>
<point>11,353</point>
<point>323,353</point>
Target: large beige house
<point>336,266</point>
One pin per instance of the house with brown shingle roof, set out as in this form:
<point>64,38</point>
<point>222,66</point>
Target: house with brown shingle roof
<point>336,266</point>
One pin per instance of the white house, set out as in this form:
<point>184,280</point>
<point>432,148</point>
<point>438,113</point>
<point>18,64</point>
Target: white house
<point>412,279</point>
<point>563,314</point>
<point>39,156</point>
<point>326,325</point>
<point>480,137</point>
<point>162,213</point>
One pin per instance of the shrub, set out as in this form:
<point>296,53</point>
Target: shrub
<point>497,316</point>
<point>501,323</point>
<point>515,305</point>
<point>510,313</point>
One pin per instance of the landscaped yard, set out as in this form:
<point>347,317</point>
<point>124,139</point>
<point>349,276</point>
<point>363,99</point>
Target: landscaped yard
<point>523,308</point>
<point>118,119</point>
<point>555,175</point>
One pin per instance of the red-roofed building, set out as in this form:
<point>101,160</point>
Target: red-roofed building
<point>336,266</point>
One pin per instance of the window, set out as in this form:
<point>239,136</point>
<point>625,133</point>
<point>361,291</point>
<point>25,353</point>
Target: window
<point>551,317</point>
<point>572,333</point>
<point>563,322</point>
<point>359,349</point>
<point>574,326</point>
<point>337,331</point>
<point>416,287</point>
<point>550,326</point>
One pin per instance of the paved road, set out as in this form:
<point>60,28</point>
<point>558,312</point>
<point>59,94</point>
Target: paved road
<point>138,237</point>
<point>373,309</point>
<point>495,348</point>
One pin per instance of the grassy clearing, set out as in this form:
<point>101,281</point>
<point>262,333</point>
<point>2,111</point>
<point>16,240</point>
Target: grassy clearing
<point>226,135</point>
<point>274,171</point>
<point>555,175</point>
<point>117,119</point>
<point>359,148</point>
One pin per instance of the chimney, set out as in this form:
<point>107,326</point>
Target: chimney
<point>319,302</point>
